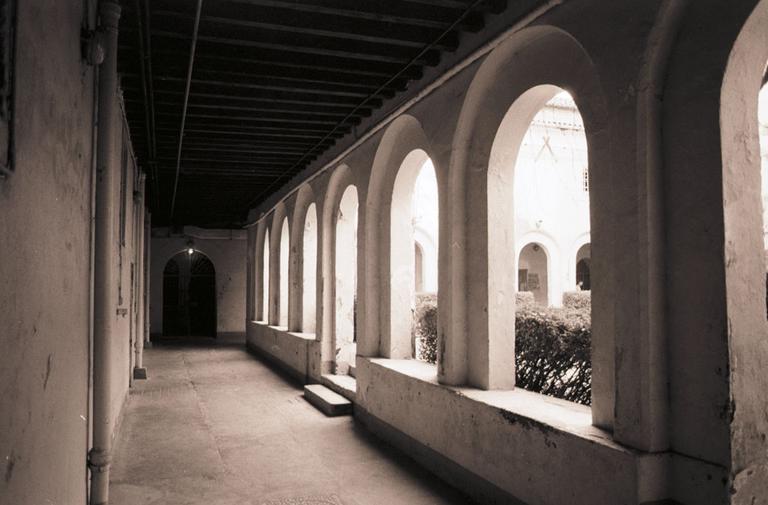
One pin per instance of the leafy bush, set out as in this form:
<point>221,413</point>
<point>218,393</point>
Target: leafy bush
<point>552,352</point>
<point>578,300</point>
<point>524,299</point>
<point>552,346</point>
<point>425,328</point>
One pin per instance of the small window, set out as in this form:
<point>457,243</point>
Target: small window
<point>522,279</point>
<point>7,19</point>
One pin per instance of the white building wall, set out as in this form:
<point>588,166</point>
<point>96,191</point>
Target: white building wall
<point>551,193</point>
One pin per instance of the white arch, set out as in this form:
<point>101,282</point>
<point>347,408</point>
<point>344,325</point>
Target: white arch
<point>309,265</point>
<point>284,263</point>
<point>512,78</point>
<point>555,267</point>
<point>345,268</point>
<point>581,241</point>
<point>265,279</point>
<point>385,323</point>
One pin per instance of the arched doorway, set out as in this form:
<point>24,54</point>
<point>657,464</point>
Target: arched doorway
<point>532,272</point>
<point>189,296</point>
<point>583,268</point>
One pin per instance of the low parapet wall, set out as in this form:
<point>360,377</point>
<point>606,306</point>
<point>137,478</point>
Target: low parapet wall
<point>289,350</point>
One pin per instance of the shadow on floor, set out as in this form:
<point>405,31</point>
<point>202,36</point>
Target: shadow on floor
<point>216,424</point>
<point>198,341</point>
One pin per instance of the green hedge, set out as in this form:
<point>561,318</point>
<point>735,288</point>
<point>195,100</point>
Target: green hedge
<point>524,299</point>
<point>552,352</point>
<point>425,328</point>
<point>552,346</point>
<point>578,300</point>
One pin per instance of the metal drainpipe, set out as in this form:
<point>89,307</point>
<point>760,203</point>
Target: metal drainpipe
<point>147,270</point>
<point>139,372</point>
<point>105,285</point>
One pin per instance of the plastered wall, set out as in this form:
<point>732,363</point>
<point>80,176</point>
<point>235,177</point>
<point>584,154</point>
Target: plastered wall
<point>46,279</point>
<point>44,272</point>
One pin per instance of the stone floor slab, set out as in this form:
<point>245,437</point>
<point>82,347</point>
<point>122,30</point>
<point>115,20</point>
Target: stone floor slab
<point>213,424</point>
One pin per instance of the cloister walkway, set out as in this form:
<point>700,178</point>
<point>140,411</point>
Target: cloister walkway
<point>214,425</point>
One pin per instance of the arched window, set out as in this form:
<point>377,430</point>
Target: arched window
<point>284,253</point>
<point>541,146</point>
<point>265,279</point>
<point>309,277</point>
<point>551,189</point>
<point>345,267</point>
<point>414,212</point>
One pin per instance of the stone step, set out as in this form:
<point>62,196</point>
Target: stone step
<point>345,385</point>
<point>329,403</point>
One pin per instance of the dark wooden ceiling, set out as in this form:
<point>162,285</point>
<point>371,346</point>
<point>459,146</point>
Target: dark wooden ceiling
<point>275,83</point>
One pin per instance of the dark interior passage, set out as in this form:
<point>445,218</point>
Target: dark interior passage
<point>189,296</point>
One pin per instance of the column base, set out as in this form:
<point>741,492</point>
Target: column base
<point>139,373</point>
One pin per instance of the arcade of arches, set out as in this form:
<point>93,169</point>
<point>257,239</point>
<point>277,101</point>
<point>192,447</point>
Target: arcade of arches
<point>608,152</point>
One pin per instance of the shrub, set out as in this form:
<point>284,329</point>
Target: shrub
<point>552,352</point>
<point>578,300</point>
<point>524,299</point>
<point>552,346</point>
<point>425,328</point>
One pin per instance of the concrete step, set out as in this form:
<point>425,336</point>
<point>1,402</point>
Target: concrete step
<point>345,385</point>
<point>328,402</point>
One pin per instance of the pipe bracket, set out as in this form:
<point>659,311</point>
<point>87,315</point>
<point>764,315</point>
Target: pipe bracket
<point>99,460</point>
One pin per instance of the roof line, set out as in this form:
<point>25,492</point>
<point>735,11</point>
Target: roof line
<point>474,56</point>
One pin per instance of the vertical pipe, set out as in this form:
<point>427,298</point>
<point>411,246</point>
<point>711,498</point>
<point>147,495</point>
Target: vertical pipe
<point>147,270</point>
<point>139,371</point>
<point>105,282</point>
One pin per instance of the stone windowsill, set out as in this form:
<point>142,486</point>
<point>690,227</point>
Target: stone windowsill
<point>525,406</point>
<point>284,329</point>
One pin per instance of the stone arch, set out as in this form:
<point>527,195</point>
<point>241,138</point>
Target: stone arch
<point>304,261</point>
<point>581,241</point>
<point>713,250</point>
<point>189,294</point>
<point>744,260</point>
<point>283,269</point>
<point>529,260</point>
<point>403,137</point>
<point>279,214</point>
<point>583,267</point>
<point>554,264</point>
<point>340,180</point>
<point>264,269</point>
<point>481,332</point>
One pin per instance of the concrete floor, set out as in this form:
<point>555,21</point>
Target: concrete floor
<point>215,425</point>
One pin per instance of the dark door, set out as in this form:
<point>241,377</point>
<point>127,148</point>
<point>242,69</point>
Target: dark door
<point>189,296</point>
